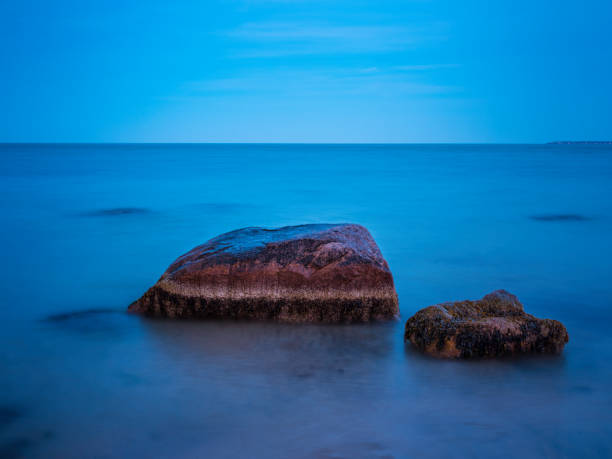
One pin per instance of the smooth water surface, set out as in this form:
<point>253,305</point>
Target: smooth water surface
<point>86,229</point>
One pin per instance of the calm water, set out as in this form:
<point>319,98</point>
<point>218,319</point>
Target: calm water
<point>87,229</point>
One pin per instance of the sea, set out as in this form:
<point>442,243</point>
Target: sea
<point>87,228</point>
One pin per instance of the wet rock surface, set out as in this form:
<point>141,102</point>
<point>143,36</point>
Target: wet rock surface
<point>306,273</point>
<point>116,212</point>
<point>90,322</point>
<point>560,218</point>
<point>494,326</point>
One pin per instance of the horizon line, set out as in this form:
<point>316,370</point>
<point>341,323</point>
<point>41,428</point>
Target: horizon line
<point>556,142</point>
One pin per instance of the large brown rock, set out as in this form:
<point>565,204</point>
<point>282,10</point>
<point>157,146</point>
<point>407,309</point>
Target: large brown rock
<point>306,273</point>
<point>494,326</point>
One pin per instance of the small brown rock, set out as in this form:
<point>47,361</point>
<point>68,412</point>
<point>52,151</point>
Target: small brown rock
<point>494,326</point>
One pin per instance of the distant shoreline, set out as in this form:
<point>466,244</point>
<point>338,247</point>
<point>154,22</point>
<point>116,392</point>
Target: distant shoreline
<point>581,142</point>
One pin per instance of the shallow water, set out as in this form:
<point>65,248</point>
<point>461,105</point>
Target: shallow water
<point>88,228</point>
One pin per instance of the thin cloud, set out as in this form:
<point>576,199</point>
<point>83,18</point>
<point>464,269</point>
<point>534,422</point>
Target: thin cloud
<point>297,31</point>
<point>420,67</point>
<point>275,39</point>
<point>316,82</point>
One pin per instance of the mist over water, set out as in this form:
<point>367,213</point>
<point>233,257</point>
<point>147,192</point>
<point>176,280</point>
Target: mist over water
<point>88,228</point>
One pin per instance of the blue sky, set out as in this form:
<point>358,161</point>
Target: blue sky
<point>305,71</point>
